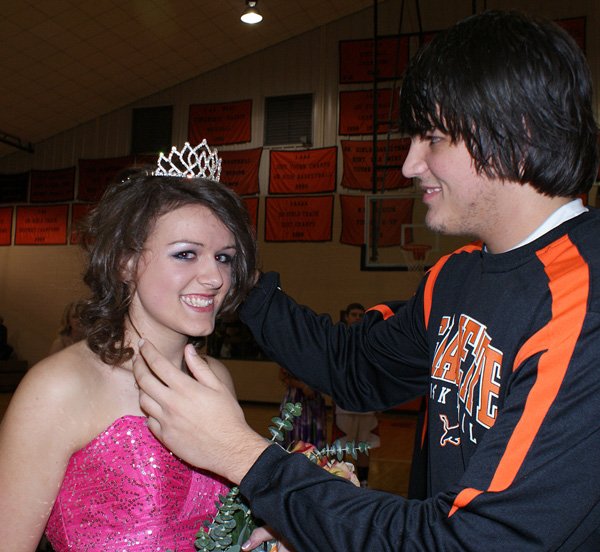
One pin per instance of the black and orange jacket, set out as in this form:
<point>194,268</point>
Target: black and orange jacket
<point>506,348</point>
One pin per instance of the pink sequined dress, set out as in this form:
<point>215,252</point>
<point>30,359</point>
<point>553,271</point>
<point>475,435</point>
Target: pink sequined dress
<point>124,491</point>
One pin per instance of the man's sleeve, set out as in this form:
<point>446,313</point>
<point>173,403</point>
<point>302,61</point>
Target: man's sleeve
<point>371,365</point>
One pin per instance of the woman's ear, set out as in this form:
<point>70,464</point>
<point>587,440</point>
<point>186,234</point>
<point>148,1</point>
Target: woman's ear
<point>128,268</point>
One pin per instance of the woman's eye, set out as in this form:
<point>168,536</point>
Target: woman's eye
<point>185,255</point>
<point>223,258</point>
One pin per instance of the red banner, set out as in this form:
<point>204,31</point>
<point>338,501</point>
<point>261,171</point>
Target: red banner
<point>299,218</point>
<point>56,185</point>
<point>394,213</point>
<point>78,211</point>
<point>239,170</point>
<point>303,171</point>
<point>356,59</point>
<point>42,225</point>
<point>220,123</point>
<point>6,214</point>
<point>356,111</point>
<point>96,174</point>
<point>252,207</point>
<point>358,164</point>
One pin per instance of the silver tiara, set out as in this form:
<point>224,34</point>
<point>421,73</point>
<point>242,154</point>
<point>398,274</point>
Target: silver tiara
<point>190,162</point>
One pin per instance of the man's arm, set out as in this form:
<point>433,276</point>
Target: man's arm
<point>371,365</point>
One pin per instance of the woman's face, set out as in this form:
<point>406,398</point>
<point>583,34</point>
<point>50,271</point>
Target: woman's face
<point>183,274</point>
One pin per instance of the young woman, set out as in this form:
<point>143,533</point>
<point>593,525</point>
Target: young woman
<point>166,255</point>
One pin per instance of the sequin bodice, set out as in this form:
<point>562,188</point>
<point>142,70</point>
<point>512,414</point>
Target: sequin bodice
<point>125,492</point>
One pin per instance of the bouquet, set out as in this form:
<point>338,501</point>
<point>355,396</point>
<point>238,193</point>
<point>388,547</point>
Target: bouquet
<point>233,522</point>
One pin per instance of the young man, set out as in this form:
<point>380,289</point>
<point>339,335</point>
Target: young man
<point>503,335</point>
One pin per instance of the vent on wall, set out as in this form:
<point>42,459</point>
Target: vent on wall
<point>288,120</point>
<point>151,130</point>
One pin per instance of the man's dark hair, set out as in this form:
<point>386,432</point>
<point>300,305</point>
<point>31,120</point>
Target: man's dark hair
<point>517,91</point>
<point>353,306</point>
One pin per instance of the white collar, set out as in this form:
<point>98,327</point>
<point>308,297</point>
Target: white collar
<point>562,214</point>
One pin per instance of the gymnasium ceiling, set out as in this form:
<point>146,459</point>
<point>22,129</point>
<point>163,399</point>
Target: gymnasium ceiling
<point>66,62</point>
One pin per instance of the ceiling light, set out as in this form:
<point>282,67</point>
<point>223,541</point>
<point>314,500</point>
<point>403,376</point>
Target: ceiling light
<point>251,15</point>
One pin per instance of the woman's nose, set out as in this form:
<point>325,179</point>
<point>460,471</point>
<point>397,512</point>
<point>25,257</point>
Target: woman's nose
<point>211,276</point>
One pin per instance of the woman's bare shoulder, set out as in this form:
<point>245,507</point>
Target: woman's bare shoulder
<point>56,385</point>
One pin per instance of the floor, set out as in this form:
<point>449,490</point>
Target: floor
<point>389,464</point>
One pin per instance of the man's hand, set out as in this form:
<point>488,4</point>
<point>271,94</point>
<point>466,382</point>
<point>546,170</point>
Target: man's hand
<point>198,420</point>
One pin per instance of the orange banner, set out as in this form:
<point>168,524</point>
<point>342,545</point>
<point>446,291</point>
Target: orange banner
<point>356,59</point>
<point>239,170</point>
<point>42,225</point>
<point>358,164</point>
<point>393,214</point>
<point>96,174</point>
<point>356,111</point>
<point>78,211</point>
<point>299,218</point>
<point>303,171</point>
<point>220,123</point>
<point>252,207</point>
<point>55,185</point>
<point>6,214</point>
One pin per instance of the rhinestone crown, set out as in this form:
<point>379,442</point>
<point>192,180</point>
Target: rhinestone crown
<point>190,162</point>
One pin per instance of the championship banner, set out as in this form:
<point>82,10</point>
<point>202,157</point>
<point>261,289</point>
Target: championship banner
<point>14,187</point>
<point>303,171</point>
<point>55,185</point>
<point>220,123</point>
<point>356,59</point>
<point>575,26</point>
<point>239,170</point>
<point>78,211</point>
<point>96,174</point>
<point>42,225</point>
<point>358,164</point>
<point>394,213</point>
<point>251,204</point>
<point>299,218</point>
<point>6,214</point>
<point>356,111</point>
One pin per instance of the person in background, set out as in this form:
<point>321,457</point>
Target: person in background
<point>356,426</point>
<point>311,425</point>
<point>502,335</point>
<point>166,254</point>
<point>70,330</point>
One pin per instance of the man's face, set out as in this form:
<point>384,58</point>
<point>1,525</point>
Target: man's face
<point>459,200</point>
<point>354,315</point>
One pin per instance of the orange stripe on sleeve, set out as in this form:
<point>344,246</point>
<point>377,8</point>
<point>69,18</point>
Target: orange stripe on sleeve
<point>568,277</point>
<point>385,311</point>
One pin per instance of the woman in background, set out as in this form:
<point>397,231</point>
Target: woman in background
<point>166,255</point>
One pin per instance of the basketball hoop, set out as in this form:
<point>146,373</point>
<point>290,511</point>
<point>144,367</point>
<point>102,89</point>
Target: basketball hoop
<point>415,255</point>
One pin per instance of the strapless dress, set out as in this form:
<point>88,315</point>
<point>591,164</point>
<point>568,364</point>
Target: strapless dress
<point>124,491</point>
